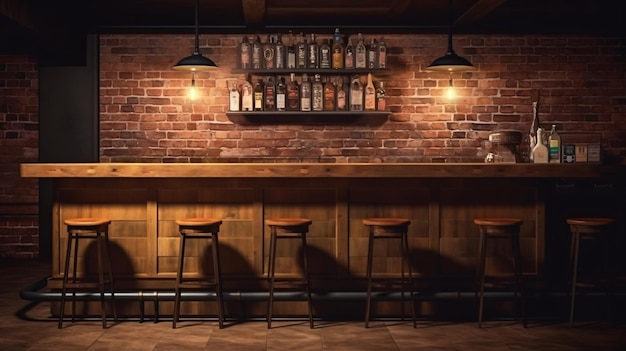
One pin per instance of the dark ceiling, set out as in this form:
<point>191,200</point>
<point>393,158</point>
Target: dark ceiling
<point>57,26</point>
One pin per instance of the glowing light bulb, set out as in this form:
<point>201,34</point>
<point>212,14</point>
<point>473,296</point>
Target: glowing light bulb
<point>451,93</point>
<point>192,93</point>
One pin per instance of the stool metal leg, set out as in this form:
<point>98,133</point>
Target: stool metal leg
<point>305,264</point>
<point>405,252</point>
<point>271,276</point>
<point>107,248</point>
<point>101,280</point>
<point>574,267</point>
<point>65,278</point>
<point>218,279</point>
<point>482,255</point>
<point>179,278</point>
<point>519,278</point>
<point>370,253</point>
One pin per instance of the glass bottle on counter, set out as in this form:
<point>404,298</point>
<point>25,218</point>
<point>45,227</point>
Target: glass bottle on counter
<point>281,94</point>
<point>305,94</point>
<point>233,95</point>
<point>370,94</point>
<point>356,94</point>
<point>554,142</point>
<point>317,94</point>
<point>247,96</point>
<point>540,151</point>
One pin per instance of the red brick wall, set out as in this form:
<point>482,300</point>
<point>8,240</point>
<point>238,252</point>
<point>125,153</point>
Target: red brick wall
<point>145,116</point>
<point>19,115</point>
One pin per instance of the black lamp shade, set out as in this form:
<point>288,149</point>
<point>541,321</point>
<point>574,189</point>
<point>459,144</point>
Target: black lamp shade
<point>195,62</point>
<point>451,62</point>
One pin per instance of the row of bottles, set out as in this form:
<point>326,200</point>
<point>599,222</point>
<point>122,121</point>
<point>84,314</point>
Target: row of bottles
<point>275,94</point>
<point>303,52</point>
<point>547,150</point>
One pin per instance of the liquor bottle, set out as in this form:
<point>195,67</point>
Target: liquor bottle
<point>329,95</point>
<point>325,54</point>
<point>245,53</point>
<point>281,94</point>
<point>372,53</point>
<point>370,94</point>
<point>305,93</point>
<point>279,52</point>
<point>269,93</point>
<point>540,151</point>
<point>360,53</point>
<point>301,58</point>
<point>342,95</point>
<point>382,53</point>
<point>233,98</point>
<point>532,134</point>
<point>293,94</point>
<point>258,95</point>
<point>349,56</point>
<point>247,96</point>
<point>314,53</point>
<point>356,94</point>
<point>338,50</point>
<point>317,94</point>
<point>257,53</point>
<point>381,99</point>
<point>554,142</point>
<point>268,53</point>
<point>291,51</point>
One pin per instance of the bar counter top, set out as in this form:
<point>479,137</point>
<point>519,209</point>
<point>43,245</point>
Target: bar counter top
<point>316,170</point>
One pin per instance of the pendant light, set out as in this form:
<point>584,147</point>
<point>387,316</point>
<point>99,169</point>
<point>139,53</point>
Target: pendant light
<point>195,62</point>
<point>450,62</point>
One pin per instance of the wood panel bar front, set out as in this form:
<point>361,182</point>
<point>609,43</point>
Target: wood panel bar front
<point>143,201</point>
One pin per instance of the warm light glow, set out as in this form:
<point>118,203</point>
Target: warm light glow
<point>451,93</point>
<point>192,93</point>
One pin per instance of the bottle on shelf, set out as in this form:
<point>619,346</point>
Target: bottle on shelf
<point>360,53</point>
<point>540,151</point>
<point>291,51</point>
<point>372,54</point>
<point>258,95</point>
<point>317,94</point>
<point>382,53</point>
<point>247,96</point>
<point>305,93</point>
<point>268,53</point>
<point>381,98</point>
<point>554,142</point>
<point>269,95</point>
<point>279,52</point>
<point>233,98</point>
<point>257,53</point>
<point>370,94</point>
<point>293,94</point>
<point>281,94</point>
<point>349,55</point>
<point>356,94</point>
<point>329,95</point>
<point>301,57</point>
<point>532,134</point>
<point>338,50</point>
<point>314,53</point>
<point>342,95</point>
<point>325,54</point>
<point>245,53</point>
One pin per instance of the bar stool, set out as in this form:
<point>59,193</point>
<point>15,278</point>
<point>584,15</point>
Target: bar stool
<point>288,228</point>
<point>199,228</point>
<point>87,228</point>
<point>389,228</point>
<point>500,228</point>
<point>587,228</point>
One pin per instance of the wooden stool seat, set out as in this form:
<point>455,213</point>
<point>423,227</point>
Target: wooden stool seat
<point>499,228</point>
<point>586,227</point>
<point>288,228</point>
<point>389,228</point>
<point>87,228</point>
<point>199,228</point>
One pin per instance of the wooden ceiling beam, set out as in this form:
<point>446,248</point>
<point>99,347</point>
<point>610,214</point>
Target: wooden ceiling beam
<point>254,12</point>
<point>476,13</point>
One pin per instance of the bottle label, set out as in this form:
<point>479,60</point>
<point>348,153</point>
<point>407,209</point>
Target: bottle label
<point>280,101</point>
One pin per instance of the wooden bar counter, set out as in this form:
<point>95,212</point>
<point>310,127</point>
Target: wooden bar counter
<point>441,199</point>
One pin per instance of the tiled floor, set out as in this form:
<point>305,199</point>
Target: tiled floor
<point>28,326</point>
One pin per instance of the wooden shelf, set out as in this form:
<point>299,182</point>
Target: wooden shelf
<point>307,113</point>
<point>326,71</point>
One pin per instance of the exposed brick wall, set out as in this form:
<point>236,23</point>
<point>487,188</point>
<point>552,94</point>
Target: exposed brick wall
<point>146,117</point>
<point>19,116</point>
